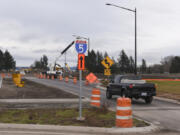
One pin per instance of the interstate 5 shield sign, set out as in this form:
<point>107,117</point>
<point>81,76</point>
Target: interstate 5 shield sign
<point>81,46</point>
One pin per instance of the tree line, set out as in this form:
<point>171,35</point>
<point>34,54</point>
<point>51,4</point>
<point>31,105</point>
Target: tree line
<point>7,61</point>
<point>123,64</point>
<point>41,64</point>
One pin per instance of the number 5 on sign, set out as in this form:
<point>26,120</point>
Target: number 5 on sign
<point>81,46</point>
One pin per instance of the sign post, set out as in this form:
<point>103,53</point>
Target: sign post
<point>81,48</point>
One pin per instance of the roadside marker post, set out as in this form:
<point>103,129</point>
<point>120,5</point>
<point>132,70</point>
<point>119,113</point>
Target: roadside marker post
<point>81,48</point>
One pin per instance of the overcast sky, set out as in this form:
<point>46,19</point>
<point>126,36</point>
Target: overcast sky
<point>31,28</point>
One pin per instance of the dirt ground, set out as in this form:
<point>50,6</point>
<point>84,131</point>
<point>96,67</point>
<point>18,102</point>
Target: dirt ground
<point>31,90</point>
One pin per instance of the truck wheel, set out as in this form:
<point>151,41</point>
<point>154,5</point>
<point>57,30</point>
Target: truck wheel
<point>148,100</point>
<point>108,94</point>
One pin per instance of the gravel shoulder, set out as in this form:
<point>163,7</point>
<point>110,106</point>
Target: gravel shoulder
<point>31,90</point>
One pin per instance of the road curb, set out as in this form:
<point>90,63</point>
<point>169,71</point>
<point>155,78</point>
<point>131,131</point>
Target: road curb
<point>167,100</point>
<point>79,129</point>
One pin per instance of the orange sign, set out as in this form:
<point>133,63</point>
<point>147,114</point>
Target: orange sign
<point>81,61</point>
<point>91,78</point>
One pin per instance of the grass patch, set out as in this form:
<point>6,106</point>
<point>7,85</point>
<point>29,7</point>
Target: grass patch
<point>93,117</point>
<point>169,89</point>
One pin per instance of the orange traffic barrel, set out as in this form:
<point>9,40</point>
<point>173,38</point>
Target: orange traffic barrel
<point>95,98</point>
<point>52,77</point>
<point>2,75</point>
<point>47,76</point>
<point>75,80</point>
<point>66,79</point>
<point>60,78</point>
<point>41,76</point>
<point>124,113</point>
<point>44,76</point>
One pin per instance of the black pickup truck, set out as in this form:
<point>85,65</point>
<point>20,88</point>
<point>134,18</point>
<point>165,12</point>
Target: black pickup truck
<point>132,87</point>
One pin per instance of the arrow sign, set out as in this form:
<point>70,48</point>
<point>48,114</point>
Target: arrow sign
<point>81,61</point>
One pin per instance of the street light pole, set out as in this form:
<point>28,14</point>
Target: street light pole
<point>135,68</point>
<point>135,13</point>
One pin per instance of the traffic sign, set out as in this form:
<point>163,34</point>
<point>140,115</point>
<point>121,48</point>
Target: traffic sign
<point>81,46</point>
<point>107,72</point>
<point>81,61</point>
<point>107,62</point>
<point>91,78</point>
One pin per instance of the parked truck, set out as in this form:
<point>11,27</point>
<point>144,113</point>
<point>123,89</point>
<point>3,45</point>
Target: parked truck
<point>132,87</point>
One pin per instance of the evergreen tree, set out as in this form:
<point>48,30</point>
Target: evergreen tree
<point>42,63</point>
<point>131,64</point>
<point>123,62</point>
<point>114,67</point>
<point>105,54</point>
<point>143,66</point>
<point>91,61</point>
<point>1,60</point>
<point>9,62</point>
<point>175,65</point>
<point>99,67</point>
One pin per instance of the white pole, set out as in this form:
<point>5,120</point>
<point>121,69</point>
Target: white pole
<point>80,94</point>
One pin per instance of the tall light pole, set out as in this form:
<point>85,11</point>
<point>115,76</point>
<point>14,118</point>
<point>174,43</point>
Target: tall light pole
<point>80,37</point>
<point>135,34</point>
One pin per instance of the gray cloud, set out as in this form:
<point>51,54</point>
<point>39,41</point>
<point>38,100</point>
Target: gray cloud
<point>30,28</point>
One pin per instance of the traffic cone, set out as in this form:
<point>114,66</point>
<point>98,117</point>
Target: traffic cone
<point>95,98</point>
<point>60,78</point>
<point>75,80</point>
<point>124,113</point>
<point>66,79</point>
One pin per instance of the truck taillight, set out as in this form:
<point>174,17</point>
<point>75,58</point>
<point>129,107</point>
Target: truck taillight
<point>130,86</point>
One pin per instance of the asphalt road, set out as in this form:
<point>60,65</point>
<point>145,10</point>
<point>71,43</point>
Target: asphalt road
<point>162,113</point>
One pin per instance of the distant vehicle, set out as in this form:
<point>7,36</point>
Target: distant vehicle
<point>54,70</point>
<point>132,87</point>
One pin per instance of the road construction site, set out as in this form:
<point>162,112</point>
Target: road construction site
<point>161,113</point>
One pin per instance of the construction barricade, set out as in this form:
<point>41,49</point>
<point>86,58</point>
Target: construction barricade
<point>95,98</point>
<point>17,80</point>
<point>124,113</point>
